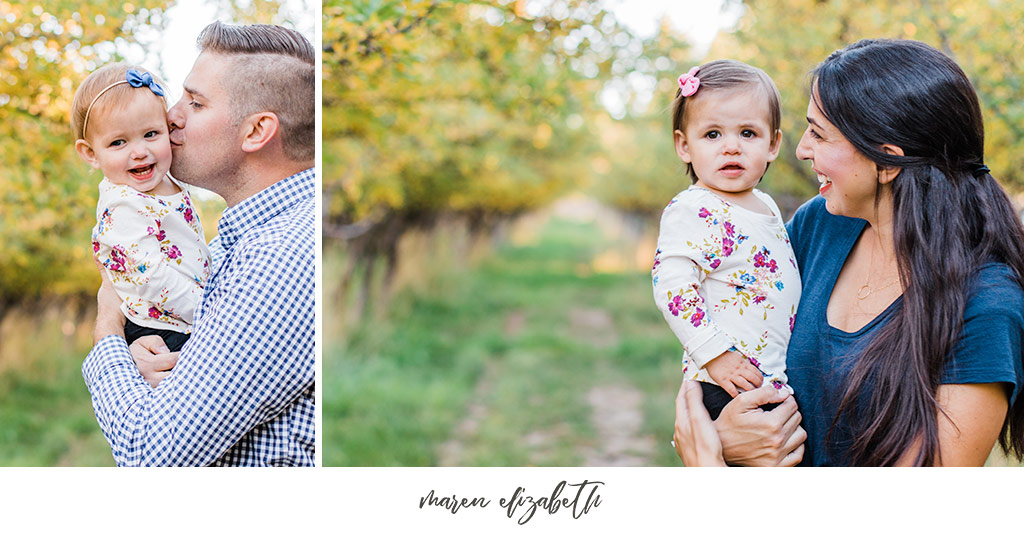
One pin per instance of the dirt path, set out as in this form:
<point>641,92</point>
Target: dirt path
<point>615,409</point>
<point>593,326</point>
<point>617,415</point>
<point>453,450</point>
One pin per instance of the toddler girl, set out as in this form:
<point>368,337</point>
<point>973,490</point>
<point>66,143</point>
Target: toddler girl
<point>724,274</point>
<point>147,235</point>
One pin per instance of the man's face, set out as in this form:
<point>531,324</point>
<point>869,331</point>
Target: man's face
<point>205,144</point>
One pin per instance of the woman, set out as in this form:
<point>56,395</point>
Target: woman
<point>907,346</point>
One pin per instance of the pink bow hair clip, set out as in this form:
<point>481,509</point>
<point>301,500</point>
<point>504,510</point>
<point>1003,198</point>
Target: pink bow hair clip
<point>689,83</point>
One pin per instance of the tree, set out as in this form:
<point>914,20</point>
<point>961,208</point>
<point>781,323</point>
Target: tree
<point>468,108</point>
<point>47,194</point>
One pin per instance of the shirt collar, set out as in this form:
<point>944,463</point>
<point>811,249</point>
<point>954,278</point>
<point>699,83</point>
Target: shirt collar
<point>261,207</point>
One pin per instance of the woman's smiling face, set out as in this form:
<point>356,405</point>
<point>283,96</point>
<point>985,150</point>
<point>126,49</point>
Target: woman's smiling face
<point>848,179</point>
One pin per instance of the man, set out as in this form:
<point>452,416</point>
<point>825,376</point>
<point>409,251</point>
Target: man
<point>241,391</point>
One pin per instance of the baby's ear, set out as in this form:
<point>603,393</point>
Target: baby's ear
<point>773,150</point>
<point>86,152</point>
<point>682,148</point>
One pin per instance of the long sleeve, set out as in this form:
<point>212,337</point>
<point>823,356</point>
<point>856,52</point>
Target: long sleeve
<point>691,245</point>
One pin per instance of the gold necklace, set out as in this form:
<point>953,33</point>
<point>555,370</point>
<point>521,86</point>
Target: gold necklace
<point>865,290</point>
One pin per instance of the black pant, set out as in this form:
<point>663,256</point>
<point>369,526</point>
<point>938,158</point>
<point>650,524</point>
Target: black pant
<point>174,340</point>
<point>715,399</point>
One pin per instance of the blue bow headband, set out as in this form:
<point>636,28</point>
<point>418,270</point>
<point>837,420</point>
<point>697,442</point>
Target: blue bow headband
<point>137,80</point>
<point>133,78</point>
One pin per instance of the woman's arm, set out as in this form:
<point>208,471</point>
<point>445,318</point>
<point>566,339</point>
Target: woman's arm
<point>968,430</point>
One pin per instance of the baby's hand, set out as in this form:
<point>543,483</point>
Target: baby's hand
<point>733,372</point>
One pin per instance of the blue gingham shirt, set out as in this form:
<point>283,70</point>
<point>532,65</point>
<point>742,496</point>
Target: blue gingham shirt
<point>242,390</point>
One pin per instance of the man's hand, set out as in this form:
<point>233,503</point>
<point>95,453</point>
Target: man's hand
<point>152,358</point>
<point>109,319</point>
<point>696,439</point>
<point>753,437</point>
<point>734,372</point>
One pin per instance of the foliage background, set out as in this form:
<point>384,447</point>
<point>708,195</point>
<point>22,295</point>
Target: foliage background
<point>479,114</point>
<point>48,200</point>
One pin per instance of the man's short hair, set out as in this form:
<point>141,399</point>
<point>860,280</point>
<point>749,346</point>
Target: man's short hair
<point>273,69</point>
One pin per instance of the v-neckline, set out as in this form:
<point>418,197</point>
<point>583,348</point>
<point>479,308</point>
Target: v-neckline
<point>849,245</point>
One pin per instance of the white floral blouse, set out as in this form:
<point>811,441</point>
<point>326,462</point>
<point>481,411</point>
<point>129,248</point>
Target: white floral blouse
<point>155,253</point>
<point>726,278</point>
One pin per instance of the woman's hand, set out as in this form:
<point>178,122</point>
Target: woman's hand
<point>695,437</point>
<point>754,437</point>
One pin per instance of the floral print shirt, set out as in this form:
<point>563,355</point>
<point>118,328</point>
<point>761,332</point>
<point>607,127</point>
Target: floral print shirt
<point>726,278</point>
<point>155,254</point>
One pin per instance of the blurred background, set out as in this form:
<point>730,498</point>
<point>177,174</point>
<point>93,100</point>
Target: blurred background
<point>48,198</point>
<point>493,177</point>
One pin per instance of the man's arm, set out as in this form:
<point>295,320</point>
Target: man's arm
<point>109,319</point>
<point>150,354</point>
<point>250,356</point>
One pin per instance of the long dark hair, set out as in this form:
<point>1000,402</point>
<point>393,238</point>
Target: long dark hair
<point>909,94</point>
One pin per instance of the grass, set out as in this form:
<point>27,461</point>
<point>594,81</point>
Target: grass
<point>489,358</point>
<point>46,416</point>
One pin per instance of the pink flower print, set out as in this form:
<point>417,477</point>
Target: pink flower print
<point>727,246</point>
<point>729,229</point>
<point>697,316</point>
<point>675,304</point>
<point>657,259</point>
<point>704,213</point>
<point>759,299</point>
<point>150,231</point>
<point>95,246</point>
<point>154,313</point>
<point>162,236</point>
<point>759,260</point>
<point>715,263</point>
<point>773,266</point>
<point>792,322</point>
<point>117,260</point>
<point>173,252</point>
<point>755,362</point>
<point>777,384</point>
<point>188,215</point>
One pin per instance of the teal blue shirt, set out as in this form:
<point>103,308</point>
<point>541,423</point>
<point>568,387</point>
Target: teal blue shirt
<point>820,356</point>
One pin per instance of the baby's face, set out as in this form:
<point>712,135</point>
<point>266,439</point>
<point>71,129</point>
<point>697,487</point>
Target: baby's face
<point>728,139</point>
<point>130,142</point>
